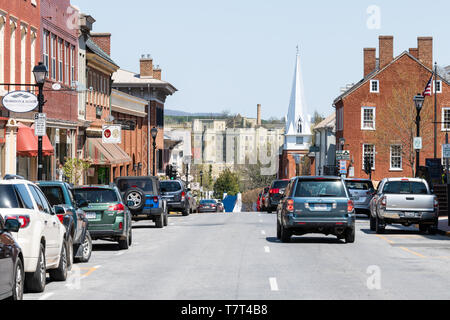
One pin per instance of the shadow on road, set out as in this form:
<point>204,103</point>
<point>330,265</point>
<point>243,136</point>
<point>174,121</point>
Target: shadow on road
<point>308,240</point>
<point>406,232</point>
<point>146,226</point>
<point>105,247</point>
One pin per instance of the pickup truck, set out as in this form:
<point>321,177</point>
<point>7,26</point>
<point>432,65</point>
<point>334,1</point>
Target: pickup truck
<point>60,194</point>
<point>404,201</point>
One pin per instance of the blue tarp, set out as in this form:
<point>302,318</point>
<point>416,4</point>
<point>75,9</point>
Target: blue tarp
<point>229,202</point>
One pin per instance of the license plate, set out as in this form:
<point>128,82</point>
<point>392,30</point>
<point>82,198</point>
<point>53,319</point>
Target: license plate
<point>320,207</point>
<point>91,215</point>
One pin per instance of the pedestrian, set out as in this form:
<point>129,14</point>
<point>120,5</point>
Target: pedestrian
<point>59,171</point>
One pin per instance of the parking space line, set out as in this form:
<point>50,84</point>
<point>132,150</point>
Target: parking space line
<point>273,284</point>
<point>267,249</point>
<point>91,270</point>
<point>46,296</point>
<point>413,252</point>
<point>385,239</point>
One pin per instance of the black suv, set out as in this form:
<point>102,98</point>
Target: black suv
<point>276,193</point>
<point>175,193</point>
<point>144,193</point>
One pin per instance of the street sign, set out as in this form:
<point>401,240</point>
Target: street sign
<point>343,155</point>
<point>418,143</point>
<point>314,149</point>
<point>20,101</point>
<point>40,124</point>
<point>343,167</point>
<point>112,134</point>
<point>446,151</point>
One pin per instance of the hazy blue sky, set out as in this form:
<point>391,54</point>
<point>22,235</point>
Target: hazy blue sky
<point>232,55</point>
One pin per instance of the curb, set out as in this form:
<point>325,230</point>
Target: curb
<point>444,233</point>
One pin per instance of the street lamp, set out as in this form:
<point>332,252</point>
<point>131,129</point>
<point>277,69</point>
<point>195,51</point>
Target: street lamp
<point>201,178</point>
<point>418,101</point>
<point>154,133</point>
<point>40,73</point>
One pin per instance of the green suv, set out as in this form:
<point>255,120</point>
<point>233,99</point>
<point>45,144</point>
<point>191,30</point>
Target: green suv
<point>109,217</point>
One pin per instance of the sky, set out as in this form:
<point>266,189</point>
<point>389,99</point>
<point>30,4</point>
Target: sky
<point>232,55</point>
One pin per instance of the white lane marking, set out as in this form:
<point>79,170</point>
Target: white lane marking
<point>97,267</point>
<point>273,284</point>
<point>120,253</point>
<point>263,232</point>
<point>267,249</point>
<point>46,296</point>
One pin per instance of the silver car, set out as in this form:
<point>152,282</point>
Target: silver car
<point>362,192</point>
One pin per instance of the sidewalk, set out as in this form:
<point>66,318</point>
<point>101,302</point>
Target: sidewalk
<point>443,226</point>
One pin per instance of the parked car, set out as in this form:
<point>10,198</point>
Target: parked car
<point>362,192</point>
<point>316,205</point>
<point>42,237</point>
<point>264,196</point>
<point>109,217</point>
<point>174,192</point>
<point>404,201</point>
<point>12,273</point>
<point>143,197</point>
<point>276,193</point>
<point>208,206</point>
<point>60,194</point>
<point>220,206</point>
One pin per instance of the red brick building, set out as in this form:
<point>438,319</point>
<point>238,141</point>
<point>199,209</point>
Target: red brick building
<point>377,115</point>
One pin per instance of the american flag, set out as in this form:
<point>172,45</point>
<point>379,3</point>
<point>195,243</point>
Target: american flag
<point>427,91</point>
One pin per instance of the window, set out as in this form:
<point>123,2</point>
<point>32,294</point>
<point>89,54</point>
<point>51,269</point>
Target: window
<point>23,50</point>
<point>96,195</point>
<point>37,198</point>
<point>368,118</point>
<point>66,62</point>
<point>300,140</point>
<point>60,60</point>
<point>369,149</point>
<point>45,48</point>
<point>54,195</point>
<point>438,87</point>
<point>340,119</point>
<point>53,56</point>
<point>2,48</point>
<point>445,119</point>
<point>9,198</point>
<point>72,64</point>
<point>374,86</point>
<point>12,55</point>
<point>405,187</point>
<point>396,157</point>
<point>320,189</point>
<point>26,199</point>
<point>45,203</point>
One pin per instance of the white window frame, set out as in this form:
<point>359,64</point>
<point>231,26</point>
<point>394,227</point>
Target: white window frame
<point>2,47</point>
<point>371,86</point>
<point>53,52</point>
<point>391,158</point>
<point>340,120</point>
<point>443,128</point>
<point>72,65</point>
<point>439,86</point>
<point>60,60</point>
<point>363,127</point>
<point>45,49</point>
<point>374,155</point>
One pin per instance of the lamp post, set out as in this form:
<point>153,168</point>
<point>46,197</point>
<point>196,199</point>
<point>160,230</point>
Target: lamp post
<point>40,73</point>
<point>154,133</point>
<point>418,101</point>
<point>201,183</point>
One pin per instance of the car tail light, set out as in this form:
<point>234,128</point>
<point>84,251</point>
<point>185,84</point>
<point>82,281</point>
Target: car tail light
<point>183,195</point>
<point>61,217</point>
<point>290,205</point>
<point>383,203</point>
<point>117,207</point>
<point>24,220</point>
<point>350,206</point>
<point>274,191</point>
<point>436,203</point>
<point>120,225</point>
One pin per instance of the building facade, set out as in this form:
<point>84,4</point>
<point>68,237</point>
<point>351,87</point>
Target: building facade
<point>376,117</point>
<point>325,140</point>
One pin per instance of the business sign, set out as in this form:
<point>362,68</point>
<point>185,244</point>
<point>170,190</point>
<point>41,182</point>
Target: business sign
<point>40,124</point>
<point>343,167</point>
<point>112,134</point>
<point>343,155</point>
<point>446,151</point>
<point>418,143</point>
<point>20,101</point>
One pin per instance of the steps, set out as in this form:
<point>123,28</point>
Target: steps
<point>441,192</point>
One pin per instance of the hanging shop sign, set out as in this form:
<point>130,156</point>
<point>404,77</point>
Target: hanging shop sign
<point>20,101</point>
<point>112,134</point>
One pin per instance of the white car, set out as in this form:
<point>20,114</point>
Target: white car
<point>41,236</point>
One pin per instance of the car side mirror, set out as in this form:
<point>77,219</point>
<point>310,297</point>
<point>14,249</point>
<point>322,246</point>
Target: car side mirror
<point>59,210</point>
<point>12,225</point>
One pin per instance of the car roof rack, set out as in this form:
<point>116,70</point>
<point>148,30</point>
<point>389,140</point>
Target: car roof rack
<point>13,177</point>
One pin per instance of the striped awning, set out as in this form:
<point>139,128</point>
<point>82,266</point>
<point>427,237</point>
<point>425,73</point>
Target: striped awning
<point>105,153</point>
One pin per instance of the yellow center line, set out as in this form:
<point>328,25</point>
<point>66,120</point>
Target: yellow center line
<point>89,272</point>
<point>413,252</point>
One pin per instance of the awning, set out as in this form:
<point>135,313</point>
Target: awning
<point>27,143</point>
<point>105,153</point>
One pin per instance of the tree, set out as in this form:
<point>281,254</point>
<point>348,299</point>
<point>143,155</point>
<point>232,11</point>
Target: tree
<point>252,177</point>
<point>75,168</point>
<point>228,182</point>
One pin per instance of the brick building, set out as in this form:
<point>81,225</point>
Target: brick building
<point>20,23</point>
<point>377,115</point>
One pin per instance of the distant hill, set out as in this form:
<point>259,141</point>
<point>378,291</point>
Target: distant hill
<point>176,113</point>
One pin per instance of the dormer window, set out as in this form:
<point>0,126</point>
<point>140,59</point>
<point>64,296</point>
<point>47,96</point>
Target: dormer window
<point>374,86</point>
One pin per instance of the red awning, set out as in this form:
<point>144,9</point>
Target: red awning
<point>27,143</point>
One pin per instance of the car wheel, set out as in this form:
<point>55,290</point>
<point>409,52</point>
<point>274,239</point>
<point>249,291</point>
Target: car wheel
<point>86,248</point>
<point>350,236</point>
<point>166,220</point>
<point>160,221</point>
<point>380,228</point>
<point>373,226</point>
<point>285,235</point>
<point>125,243</point>
<point>19,276</point>
<point>60,274</point>
<point>35,282</point>
<point>185,212</point>
<point>278,230</point>
<point>423,228</point>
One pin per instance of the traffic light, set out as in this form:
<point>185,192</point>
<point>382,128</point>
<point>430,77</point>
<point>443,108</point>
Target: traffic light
<point>367,165</point>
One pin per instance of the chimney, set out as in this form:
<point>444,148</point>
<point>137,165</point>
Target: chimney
<point>146,63</point>
<point>103,40</point>
<point>414,52</point>
<point>370,60</point>
<point>157,73</point>
<point>258,119</point>
<point>386,50</point>
<point>425,47</point>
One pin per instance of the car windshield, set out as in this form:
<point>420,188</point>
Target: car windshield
<point>170,186</point>
<point>359,185</point>
<point>54,195</point>
<point>405,187</point>
<point>280,184</point>
<point>144,184</point>
<point>208,202</point>
<point>320,189</point>
<point>96,195</point>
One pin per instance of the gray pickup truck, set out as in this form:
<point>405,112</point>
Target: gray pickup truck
<point>404,201</point>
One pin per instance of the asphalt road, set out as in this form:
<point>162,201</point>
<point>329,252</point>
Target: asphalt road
<point>237,256</point>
